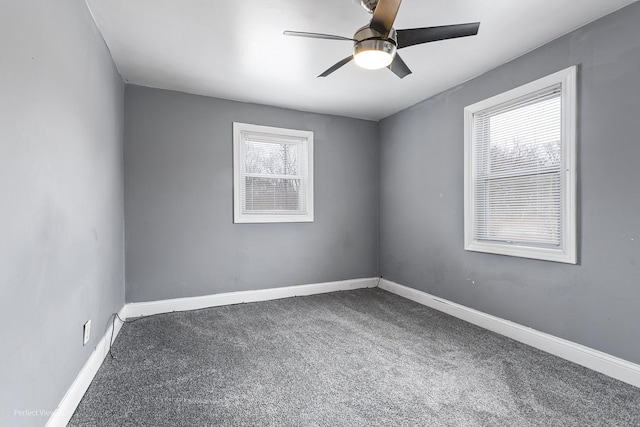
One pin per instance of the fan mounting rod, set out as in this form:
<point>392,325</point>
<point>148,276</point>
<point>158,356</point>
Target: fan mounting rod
<point>369,5</point>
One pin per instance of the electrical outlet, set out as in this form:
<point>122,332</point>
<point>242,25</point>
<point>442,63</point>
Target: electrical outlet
<point>86,332</point>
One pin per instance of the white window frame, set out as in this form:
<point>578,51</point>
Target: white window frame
<point>566,252</point>
<point>304,139</point>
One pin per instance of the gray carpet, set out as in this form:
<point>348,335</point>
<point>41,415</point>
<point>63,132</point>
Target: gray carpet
<point>356,358</point>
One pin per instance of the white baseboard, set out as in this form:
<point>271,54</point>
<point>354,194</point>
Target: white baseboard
<point>72,398</point>
<point>585,356</point>
<point>593,359</point>
<point>138,309</point>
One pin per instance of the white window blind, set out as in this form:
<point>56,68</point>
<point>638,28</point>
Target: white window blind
<point>520,171</point>
<point>272,176</point>
<point>518,197</point>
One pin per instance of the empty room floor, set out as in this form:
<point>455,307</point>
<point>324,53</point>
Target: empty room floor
<point>353,358</point>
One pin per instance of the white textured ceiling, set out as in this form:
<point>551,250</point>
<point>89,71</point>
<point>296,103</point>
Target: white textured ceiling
<point>235,49</point>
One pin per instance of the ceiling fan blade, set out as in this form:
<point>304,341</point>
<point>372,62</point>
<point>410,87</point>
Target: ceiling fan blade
<point>413,36</point>
<point>384,15</point>
<point>399,68</point>
<point>315,35</point>
<point>336,66</point>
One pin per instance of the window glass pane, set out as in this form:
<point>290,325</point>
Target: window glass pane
<point>271,158</point>
<point>518,173</point>
<point>526,138</point>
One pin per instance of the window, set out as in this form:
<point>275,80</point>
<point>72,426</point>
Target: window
<point>273,174</point>
<point>520,174</point>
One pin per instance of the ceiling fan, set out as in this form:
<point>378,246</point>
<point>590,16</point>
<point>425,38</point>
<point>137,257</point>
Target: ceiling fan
<point>375,45</point>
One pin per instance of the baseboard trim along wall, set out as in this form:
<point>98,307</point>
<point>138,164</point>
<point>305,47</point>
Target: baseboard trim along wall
<point>73,396</point>
<point>593,359</point>
<point>604,363</point>
<point>138,309</point>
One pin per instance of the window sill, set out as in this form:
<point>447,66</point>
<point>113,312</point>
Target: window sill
<point>543,254</point>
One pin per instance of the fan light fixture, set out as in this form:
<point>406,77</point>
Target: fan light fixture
<point>374,54</point>
<point>375,44</point>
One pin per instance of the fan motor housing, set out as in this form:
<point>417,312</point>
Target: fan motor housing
<point>366,33</point>
<point>369,39</point>
<point>375,44</point>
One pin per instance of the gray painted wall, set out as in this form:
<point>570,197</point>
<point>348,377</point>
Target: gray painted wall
<point>595,303</point>
<point>61,228</point>
<point>61,180</point>
<point>180,236</point>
